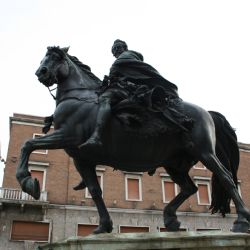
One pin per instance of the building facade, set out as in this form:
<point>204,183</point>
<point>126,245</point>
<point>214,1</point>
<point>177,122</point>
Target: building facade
<point>135,200</point>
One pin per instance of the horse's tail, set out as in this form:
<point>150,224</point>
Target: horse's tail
<point>227,151</point>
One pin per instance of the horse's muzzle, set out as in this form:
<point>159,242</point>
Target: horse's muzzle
<point>44,76</point>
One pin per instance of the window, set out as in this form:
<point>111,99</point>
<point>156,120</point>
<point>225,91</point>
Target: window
<point>163,229</point>
<point>39,172</point>
<point>133,187</point>
<point>29,230</point>
<point>100,180</point>
<point>203,194</point>
<point>133,229</point>
<point>85,229</point>
<point>199,165</point>
<point>39,151</point>
<point>207,229</point>
<point>169,190</point>
<point>39,175</point>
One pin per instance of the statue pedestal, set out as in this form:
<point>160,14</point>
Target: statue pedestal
<point>177,240</point>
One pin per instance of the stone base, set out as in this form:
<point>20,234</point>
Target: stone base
<point>177,240</point>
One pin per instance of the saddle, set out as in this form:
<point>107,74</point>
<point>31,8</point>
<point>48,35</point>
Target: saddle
<point>151,112</point>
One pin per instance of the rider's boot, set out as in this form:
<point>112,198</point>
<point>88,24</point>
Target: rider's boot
<point>80,186</point>
<point>102,118</point>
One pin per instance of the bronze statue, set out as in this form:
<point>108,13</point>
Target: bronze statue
<point>142,144</point>
<point>129,68</point>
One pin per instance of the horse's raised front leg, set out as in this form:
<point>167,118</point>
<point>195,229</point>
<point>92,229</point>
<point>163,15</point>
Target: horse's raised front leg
<point>187,188</point>
<point>225,177</point>
<point>55,140</point>
<point>88,173</point>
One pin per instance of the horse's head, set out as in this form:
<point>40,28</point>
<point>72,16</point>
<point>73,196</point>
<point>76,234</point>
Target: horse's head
<point>54,66</point>
<point>57,65</point>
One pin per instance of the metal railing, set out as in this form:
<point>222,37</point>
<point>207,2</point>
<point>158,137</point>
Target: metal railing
<point>17,194</point>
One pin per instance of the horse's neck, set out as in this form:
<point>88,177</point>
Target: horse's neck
<point>83,78</point>
<point>78,79</point>
<point>75,86</point>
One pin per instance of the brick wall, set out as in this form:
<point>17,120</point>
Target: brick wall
<point>61,175</point>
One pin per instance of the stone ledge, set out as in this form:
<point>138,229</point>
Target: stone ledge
<point>153,241</point>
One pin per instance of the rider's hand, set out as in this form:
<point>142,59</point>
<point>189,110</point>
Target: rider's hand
<point>105,81</point>
<point>48,120</point>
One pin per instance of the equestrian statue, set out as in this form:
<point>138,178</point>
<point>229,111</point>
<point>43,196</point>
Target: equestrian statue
<point>135,121</point>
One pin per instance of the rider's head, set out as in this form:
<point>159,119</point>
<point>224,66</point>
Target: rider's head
<point>118,47</point>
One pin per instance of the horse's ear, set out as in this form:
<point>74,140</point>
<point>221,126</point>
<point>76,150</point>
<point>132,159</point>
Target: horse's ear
<point>66,49</point>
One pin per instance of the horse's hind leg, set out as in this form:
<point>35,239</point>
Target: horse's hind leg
<point>88,173</point>
<point>213,164</point>
<point>187,188</point>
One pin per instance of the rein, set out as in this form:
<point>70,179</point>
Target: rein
<point>50,91</point>
<point>63,93</point>
<point>85,99</point>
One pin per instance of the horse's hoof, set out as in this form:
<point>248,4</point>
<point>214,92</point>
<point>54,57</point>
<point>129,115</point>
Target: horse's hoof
<point>172,224</point>
<point>104,228</point>
<point>80,186</point>
<point>241,226</point>
<point>32,187</point>
<point>36,190</point>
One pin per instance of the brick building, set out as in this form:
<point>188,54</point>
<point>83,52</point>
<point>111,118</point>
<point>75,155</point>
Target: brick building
<point>135,200</point>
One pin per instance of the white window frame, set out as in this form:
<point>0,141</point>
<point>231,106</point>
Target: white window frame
<point>87,193</point>
<point>47,222</point>
<point>119,228</point>
<point>41,168</point>
<point>85,224</point>
<point>199,166</point>
<point>207,183</point>
<point>135,177</point>
<point>39,151</point>
<point>176,190</point>
<point>183,229</point>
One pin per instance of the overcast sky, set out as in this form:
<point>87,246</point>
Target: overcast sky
<point>203,46</point>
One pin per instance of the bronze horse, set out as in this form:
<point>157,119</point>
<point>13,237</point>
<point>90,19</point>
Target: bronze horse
<point>214,144</point>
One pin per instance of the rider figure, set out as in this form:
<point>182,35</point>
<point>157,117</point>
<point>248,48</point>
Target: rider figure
<point>128,66</point>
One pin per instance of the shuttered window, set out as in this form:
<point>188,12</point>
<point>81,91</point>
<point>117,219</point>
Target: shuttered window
<point>39,175</point>
<point>133,188</point>
<point>131,229</point>
<point>85,229</point>
<point>100,180</point>
<point>208,229</point>
<point>27,230</point>
<point>163,229</point>
<point>39,151</point>
<point>203,193</point>
<point>169,190</point>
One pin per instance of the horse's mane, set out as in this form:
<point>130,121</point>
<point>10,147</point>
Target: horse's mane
<point>85,68</point>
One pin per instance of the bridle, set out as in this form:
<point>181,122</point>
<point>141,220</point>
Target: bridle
<point>50,91</point>
<point>65,91</point>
